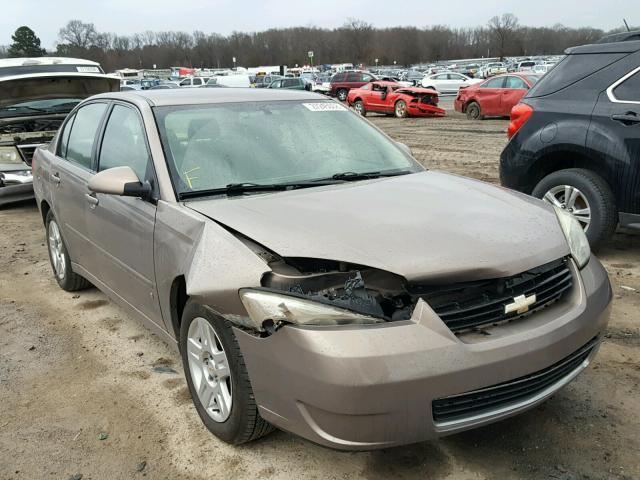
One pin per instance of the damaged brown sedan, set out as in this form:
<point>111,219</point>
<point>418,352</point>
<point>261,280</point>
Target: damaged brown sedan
<point>313,275</point>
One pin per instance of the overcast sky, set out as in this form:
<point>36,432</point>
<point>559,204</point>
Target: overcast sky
<point>224,16</point>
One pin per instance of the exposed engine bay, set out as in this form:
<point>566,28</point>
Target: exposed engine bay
<point>31,125</point>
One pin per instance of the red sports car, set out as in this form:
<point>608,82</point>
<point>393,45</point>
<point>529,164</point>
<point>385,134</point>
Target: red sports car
<point>391,97</point>
<point>494,97</point>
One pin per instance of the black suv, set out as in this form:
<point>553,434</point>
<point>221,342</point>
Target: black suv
<point>575,137</point>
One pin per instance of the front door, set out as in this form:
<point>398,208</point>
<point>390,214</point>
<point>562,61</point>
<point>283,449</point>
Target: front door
<point>121,228</point>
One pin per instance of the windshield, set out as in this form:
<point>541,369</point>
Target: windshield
<point>212,146</point>
<point>51,105</point>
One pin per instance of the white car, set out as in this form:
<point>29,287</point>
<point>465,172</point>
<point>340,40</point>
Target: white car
<point>191,82</point>
<point>448,82</point>
<point>543,68</point>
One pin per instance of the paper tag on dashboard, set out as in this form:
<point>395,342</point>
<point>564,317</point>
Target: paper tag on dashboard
<point>88,69</point>
<point>325,107</point>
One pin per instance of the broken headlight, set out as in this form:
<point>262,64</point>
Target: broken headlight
<point>10,155</point>
<point>267,306</point>
<point>577,240</point>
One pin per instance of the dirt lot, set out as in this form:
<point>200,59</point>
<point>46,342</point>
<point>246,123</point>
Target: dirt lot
<point>81,394</point>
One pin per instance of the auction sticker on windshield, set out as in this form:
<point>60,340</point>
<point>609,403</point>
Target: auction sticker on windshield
<point>325,107</point>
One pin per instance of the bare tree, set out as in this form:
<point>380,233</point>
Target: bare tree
<point>77,34</point>
<point>503,29</point>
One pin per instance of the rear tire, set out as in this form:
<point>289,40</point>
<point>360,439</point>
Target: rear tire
<point>359,108</point>
<point>342,94</point>
<point>67,279</point>
<point>243,422</point>
<point>592,190</point>
<point>474,112</point>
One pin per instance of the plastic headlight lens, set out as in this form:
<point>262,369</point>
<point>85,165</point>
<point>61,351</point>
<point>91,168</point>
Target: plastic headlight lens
<point>264,305</point>
<point>577,240</point>
<point>9,155</point>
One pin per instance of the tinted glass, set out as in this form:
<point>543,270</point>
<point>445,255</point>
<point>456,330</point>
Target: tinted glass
<point>83,134</point>
<point>629,90</point>
<point>353,77</point>
<point>212,146</point>
<point>197,81</point>
<point>124,142</point>
<point>493,83</point>
<point>515,82</point>
<point>185,82</point>
<point>572,69</point>
<point>366,78</point>
<point>64,139</point>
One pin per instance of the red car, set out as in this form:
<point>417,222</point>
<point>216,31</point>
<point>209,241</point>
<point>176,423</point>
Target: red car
<point>391,97</point>
<point>494,97</point>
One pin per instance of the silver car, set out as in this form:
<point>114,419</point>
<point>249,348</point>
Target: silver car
<point>312,274</point>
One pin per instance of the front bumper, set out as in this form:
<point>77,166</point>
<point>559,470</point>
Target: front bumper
<point>365,388</point>
<point>15,187</point>
<point>424,110</point>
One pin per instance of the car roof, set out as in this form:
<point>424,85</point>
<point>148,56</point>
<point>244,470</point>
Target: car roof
<point>29,61</point>
<point>203,96</point>
<point>610,47</point>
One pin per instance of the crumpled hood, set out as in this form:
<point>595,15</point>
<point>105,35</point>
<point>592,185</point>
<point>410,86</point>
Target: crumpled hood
<point>428,226</point>
<point>42,86</point>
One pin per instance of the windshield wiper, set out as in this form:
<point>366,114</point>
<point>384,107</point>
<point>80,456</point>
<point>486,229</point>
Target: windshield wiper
<point>353,176</point>
<point>233,189</point>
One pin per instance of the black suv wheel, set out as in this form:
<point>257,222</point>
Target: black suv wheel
<point>586,196</point>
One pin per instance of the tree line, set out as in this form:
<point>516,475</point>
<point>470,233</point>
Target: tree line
<point>355,42</point>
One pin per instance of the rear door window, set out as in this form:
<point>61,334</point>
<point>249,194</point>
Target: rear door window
<point>493,83</point>
<point>353,77</point>
<point>64,139</point>
<point>83,134</point>
<point>629,90</point>
<point>515,82</point>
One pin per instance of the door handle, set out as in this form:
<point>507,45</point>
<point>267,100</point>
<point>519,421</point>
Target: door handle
<point>628,118</point>
<point>93,201</point>
<point>55,178</point>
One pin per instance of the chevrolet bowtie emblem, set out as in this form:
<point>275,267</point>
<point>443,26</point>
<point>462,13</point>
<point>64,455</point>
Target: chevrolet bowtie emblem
<point>520,304</point>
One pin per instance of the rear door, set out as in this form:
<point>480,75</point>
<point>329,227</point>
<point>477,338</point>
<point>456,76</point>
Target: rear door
<point>70,172</point>
<point>121,228</point>
<point>615,133</point>
<point>513,91</point>
<point>490,96</point>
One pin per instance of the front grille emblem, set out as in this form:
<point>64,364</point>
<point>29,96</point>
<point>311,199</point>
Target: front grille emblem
<point>520,304</point>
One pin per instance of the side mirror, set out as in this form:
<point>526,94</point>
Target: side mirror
<point>121,181</point>
<point>405,148</point>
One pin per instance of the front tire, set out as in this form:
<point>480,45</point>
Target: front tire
<point>400,109</point>
<point>67,279</point>
<point>587,196</point>
<point>217,377</point>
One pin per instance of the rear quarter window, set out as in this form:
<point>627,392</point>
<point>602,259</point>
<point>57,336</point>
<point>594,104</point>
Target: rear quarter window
<point>572,69</point>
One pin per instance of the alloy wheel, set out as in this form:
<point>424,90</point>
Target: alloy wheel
<point>209,369</point>
<point>56,250</point>
<point>572,200</point>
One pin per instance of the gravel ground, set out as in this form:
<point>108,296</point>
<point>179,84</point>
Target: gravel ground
<point>79,395</point>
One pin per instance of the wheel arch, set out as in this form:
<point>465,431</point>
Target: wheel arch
<point>177,300</point>
<point>564,158</point>
<point>45,208</point>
